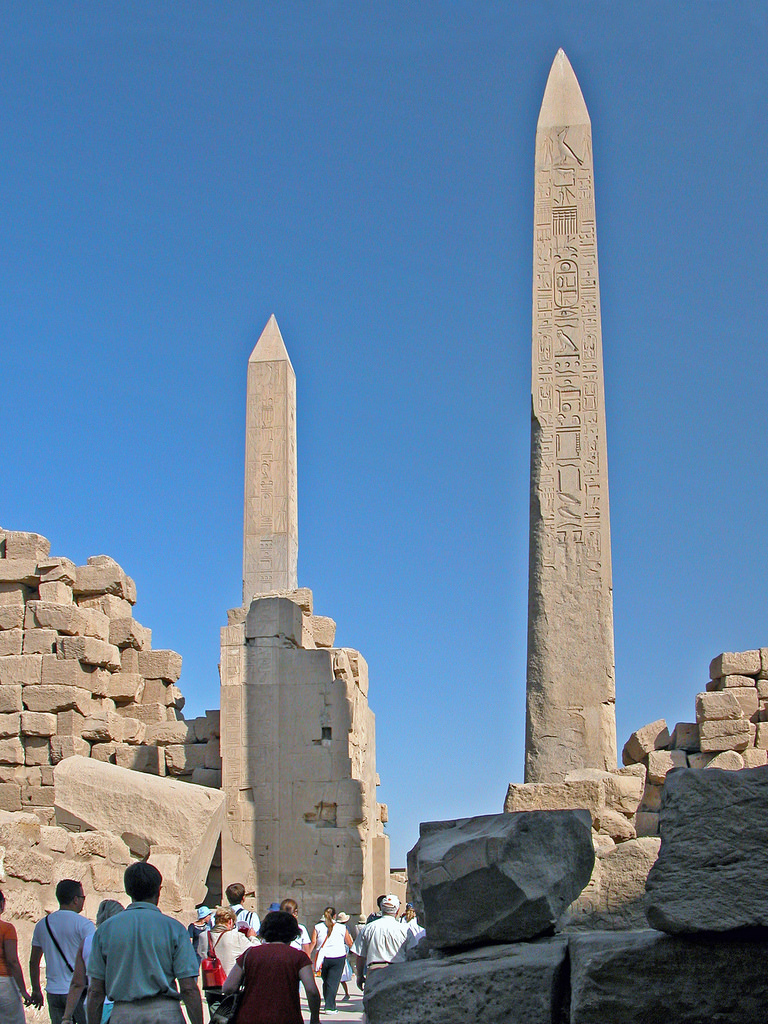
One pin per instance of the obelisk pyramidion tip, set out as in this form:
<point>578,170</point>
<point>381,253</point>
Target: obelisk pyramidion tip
<point>270,348</point>
<point>563,103</point>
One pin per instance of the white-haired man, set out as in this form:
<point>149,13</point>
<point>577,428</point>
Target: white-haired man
<point>379,942</point>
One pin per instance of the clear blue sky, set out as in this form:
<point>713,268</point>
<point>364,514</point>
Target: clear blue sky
<point>172,174</point>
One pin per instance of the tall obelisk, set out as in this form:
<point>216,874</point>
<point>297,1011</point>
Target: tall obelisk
<point>570,715</point>
<point>270,522</point>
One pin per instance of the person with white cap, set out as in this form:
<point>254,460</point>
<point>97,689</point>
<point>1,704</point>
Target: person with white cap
<point>378,943</point>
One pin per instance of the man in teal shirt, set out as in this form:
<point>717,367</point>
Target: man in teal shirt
<point>137,961</point>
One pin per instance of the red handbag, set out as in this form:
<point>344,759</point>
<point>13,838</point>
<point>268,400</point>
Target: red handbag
<point>214,974</point>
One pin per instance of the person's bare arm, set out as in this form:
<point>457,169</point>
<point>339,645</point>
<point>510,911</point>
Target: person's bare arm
<point>34,975</point>
<point>96,995</point>
<point>312,943</point>
<point>11,954</point>
<point>307,979</point>
<point>232,984</point>
<point>77,986</point>
<point>190,995</point>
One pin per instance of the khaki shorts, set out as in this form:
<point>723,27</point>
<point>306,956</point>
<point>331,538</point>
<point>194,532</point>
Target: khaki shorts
<point>159,1010</point>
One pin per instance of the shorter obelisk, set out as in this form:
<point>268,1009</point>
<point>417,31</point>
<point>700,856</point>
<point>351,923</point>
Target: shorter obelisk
<point>570,715</point>
<point>270,522</point>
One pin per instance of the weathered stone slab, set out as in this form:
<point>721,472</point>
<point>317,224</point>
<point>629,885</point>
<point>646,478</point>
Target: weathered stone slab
<point>729,682</point>
<point>57,569</point>
<point>714,848</point>
<point>207,777</point>
<point>323,630</point>
<point>685,736</point>
<point>728,760</point>
<point>108,604</point>
<point>55,592</point>
<point>124,686</point>
<point>64,618</point>
<point>662,761</point>
<point>21,544</point>
<point>160,665</point>
<point>23,669</point>
<point>148,759</point>
<point>615,896</point>
<point>644,976</point>
<point>57,698</point>
<point>39,641</point>
<point>166,733</point>
<point>11,751</point>
<point>535,865</point>
<point>162,813</point>
<point>150,714</point>
<point>182,759</point>
<point>724,735</point>
<point>13,594</point>
<point>735,663</point>
<point>68,746</point>
<point>10,725</point>
<point>10,699</point>
<point>623,787</point>
<point>129,633</point>
<point>11,641</point>
<point>526,982</point>
<point>719,706</point>
<point>11,616</point>
<point>653,736</point>
<point>646,823</point>
<point>38,723</point>
<point>19,571</point>
<point>102,575</point>
<point>90,650</point>
<point>754,757</point>
<point>69,672</point>
<point>274,618</point>
<point>556,796</point>
<point>747,698</point>
<point>37,750</point>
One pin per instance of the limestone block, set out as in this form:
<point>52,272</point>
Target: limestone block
<point>19,544</point>
<point>56,839</point>
<point>10,699</point>
<point>739,663</point>
<point>134,731</point>
<point>37,723</point>
<point>10,796</point>
<point>104,752</point>
<point>69,672</point>
<point>651,797</point>
<point>182,759</point>
<point>754,757</point>
<point>124,686</point>
<point>662,761</point>
<point>761,736</point>
<point>207,777</point>
<point>11,616</point>
<point>203,727</point>
<point>103,728</point>
<point>25,669</point>
<point>623,871</point>
<point>522,982</point>
<point>96,624</point>
<point>166,733</point>
<point>724,735</point>
<point>550,796</point>
<point>720,706</point>
<point>108,604</point>
<point>153,691</point>
<point>685,736</point>
<point>711,853</point>
<point>160,665</point>
<point>129,660</point>
<point>90,650</point>
<point>10,642</point>
<point>307,636</point>
<point>150,760</point>
<point>102,575</point>
<point>21,571</point>
<point>653,736</point>
<point>747,698</point>
<point>30,865</point>
<point>68,746</point>
<point>623,787</point>
<point>646,823</point>
<point>46,775</point>
<point>616,825</point>
<point>55,592</point>
<point>159,812</point>
<point>39,641</point>
<point>19,829</point>
<point>69,723</point>
<point>129,633</point>
<point>150,714</point>
<point>175,697</point>
<point>57,698</point>
<point>323,630</point>
<point>274,618</point>
<point>762,689</point>
<point>37,750</point>
<point>535,864</point>
<point>635,977</point>
<point>57,570</point>
<point>728,760</point>
<point>12,594</point>
<point>738,682</point>
<point>700,760</point>
<point>10,725</point>
<point>359,669</point>
<point>64,618</point>
<point>212,754</point>
<point>37,796</point>
<point>11,751</point>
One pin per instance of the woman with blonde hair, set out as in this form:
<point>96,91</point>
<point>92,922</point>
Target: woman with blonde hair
<point>227,943</point>
<point>331,940</point>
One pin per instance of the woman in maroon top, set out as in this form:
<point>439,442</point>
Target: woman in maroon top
<point>271,974</point>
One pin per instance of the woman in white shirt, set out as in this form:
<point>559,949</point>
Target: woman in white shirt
<point>331,940</point>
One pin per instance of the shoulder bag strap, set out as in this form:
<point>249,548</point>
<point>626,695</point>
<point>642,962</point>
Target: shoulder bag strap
<point>69,965</point>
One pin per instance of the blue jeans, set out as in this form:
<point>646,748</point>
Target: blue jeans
<point>331,972</point>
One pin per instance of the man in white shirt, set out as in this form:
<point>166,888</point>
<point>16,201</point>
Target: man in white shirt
<point>379,942</point>
<point>58,937</point>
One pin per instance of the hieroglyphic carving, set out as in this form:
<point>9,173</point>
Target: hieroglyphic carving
<point>270,534</point>
<point>570,688</point>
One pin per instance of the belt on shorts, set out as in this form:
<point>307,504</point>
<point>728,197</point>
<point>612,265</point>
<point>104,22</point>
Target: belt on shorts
<point>378,963</point>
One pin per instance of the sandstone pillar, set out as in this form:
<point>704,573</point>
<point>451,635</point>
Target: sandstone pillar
<point>570,719</point>
<point>270,522</point>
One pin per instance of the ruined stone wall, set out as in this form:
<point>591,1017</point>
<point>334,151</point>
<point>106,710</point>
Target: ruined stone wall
<point>299,767</point>
<point>78,676</point>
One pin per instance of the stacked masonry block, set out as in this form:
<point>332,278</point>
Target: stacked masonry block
<point>730,731</point>
<point>78,676</point>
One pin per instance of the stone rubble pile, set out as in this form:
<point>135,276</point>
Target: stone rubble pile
<point>730,731</point>
<point>78,676</point>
